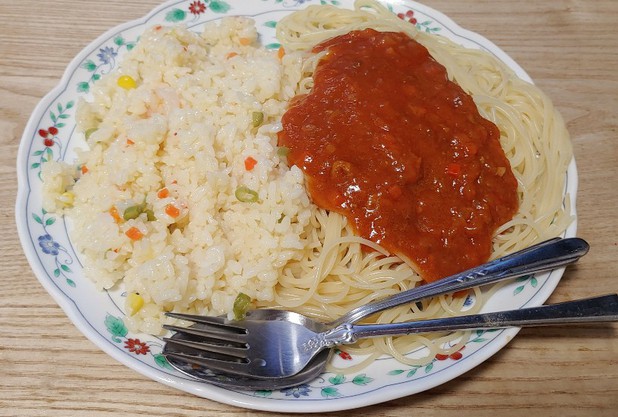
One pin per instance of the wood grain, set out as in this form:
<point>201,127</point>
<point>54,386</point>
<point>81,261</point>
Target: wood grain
<point>569,47</point>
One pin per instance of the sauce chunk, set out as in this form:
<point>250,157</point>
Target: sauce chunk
<point>387,140</point>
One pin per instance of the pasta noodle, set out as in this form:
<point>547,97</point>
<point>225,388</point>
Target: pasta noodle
<point>336,275</point>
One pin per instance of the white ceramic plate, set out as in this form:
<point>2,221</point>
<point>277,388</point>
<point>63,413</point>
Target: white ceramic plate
<point>50,134</point>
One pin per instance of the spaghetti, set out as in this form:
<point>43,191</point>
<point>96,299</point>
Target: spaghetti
<point>336,275</point>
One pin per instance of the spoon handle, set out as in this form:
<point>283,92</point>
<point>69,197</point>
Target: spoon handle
<point>591,310</point>
<point>544,256</point>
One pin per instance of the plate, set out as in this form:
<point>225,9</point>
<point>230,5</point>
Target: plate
<point>50,134</point>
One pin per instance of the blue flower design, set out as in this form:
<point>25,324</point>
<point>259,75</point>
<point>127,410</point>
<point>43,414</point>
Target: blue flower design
<point>107,55</point>
<point>47,244</point>
<point>297,392</point>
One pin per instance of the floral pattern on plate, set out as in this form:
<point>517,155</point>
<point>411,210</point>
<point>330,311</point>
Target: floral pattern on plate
<point>51,135</point>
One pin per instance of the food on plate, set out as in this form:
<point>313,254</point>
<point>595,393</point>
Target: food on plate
<point>386,139</point>
<point>191,195</point>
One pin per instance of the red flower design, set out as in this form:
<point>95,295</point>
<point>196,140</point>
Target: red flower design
<point>455,355</point>
<point>48,135</point>
<point>197,8</point>
<point>136,346</point>
<point>409,16</point>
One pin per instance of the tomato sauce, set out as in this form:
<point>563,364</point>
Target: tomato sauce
<point>387,140</point>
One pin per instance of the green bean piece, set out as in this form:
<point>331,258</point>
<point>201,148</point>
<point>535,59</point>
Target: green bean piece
<point>241,305</point>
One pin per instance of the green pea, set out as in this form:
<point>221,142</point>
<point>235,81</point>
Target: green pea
<point>241,305</point>
<point>132,212</point>
<point>246,194</point>
<point>257,118</point>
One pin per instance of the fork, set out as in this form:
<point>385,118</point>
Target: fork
<point>260,348</point>
<point>277,343</point>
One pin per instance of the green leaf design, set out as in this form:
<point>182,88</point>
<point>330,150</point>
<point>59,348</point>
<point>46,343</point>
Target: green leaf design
<point>52,116</point>
<point>35,165</point>
<point>57,272</point>
<point>69,105</point>
<point>274,45</point>
<point>37,218</point>
<point>65,268</point>
<point>59,106</point>
<point>119,40</point>
<point>263,393</point>
<point>175,15</point>
<point>83,87</point>
<point>337,379</point>
<point>411,372</point>
<point>534,282</point>
<point>361,379</point>
<point>37,153</point>
<point>50,221</point>
<point>161,361</point>
<point>71,283</point>
<point>328,392</point>
<point>88,66</point>
<point>130,46</point>
<point>219,6</point>
<point>59,125</point>
<point>396,372</point>
<point>96,77</point>
<point>116,327</point>
<point>428,368</point>
<point>518,290</point>
<point>271,24</point>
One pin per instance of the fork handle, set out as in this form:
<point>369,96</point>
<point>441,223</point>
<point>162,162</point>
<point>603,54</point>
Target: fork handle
<point>547,255</point>
<point>597,309</point>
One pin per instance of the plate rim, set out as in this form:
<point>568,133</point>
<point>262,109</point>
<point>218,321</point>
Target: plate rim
<point>211,392</point>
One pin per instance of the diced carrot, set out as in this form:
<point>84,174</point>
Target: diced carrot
<point>114,213</point>
<point>231,55</point>
<point>281,52</point>
<point>163,192</point>
<point>172,211</point>
<point>130,142</point>
<point>244,41</point>
<point>134,233</point>
<point>250,163</point>
<point>84,169</point>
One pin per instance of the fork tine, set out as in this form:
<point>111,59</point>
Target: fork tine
<point>227,367</point>
<point>209,332</point>
<point>212,320</point>
<point>225,350</point>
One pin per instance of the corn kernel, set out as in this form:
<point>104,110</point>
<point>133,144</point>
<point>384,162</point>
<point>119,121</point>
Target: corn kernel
<point>134,303</point>
<point>127,82</point>
<point>66,198</point>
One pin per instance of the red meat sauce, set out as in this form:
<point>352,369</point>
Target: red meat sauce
<point>385,139</point>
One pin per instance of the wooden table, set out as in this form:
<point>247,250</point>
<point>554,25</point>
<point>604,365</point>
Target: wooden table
<point>569,47</point>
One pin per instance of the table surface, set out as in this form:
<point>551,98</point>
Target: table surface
<point>570,49</point>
